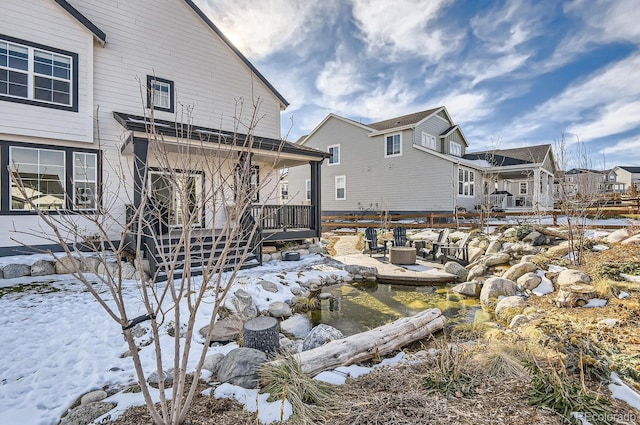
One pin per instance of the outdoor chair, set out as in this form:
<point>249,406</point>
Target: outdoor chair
<point>400,237</point>
<point>458,252</point>
<point>435,251</point>
<point>371,237</point>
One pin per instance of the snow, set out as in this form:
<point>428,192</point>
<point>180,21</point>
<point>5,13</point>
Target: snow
<point>60,344</point>
<point>623,294</point>
<point>595,302</point>
<point>545,287</point>
<point>622,391</point>
<point>268,412</point>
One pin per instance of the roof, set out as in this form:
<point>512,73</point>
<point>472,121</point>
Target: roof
<point>235,50</point>
<point>630,169</point>
<point>97,32</point>
<point>206,134</point>
<point>517,156</point>
<point>448,130</point>
<point>404,120</point>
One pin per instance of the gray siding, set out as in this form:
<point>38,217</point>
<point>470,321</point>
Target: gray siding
<point>454,136</point>
<point>433,126</point>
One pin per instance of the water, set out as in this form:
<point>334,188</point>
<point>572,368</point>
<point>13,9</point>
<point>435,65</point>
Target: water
<point>362,306</point>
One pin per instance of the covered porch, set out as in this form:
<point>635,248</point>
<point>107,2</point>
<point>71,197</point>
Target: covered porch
<point>518,189</point>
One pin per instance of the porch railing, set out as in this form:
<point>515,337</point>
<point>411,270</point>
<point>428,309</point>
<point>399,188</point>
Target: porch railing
<point>504,201</point>
<point>278,217</point>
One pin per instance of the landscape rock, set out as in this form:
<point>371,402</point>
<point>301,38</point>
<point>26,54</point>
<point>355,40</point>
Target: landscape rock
<point>276,256</point>
<point>128,271</point>
<point>496,259</point>
<point>67,265</point>
<point>86,414</point>
<point>110,267</point>
<point>1,273</point>
<point>494,247</point>
<point>224,330</point>
<point>535,238</point>
<point>315,249</point>
<point>212,362</point>
<point>12,271</point>
<point>243,304</point>
<point>518,270</point>
<point>266,258</point>
<point>571,277</point>
<point>89,264</point>
<point>269,286</point>
<point>495,287</point>
<point>279,309</point>
<point>528,281</point>
<point>93,396</point>
<point>475,253</point>
<point>469,289</point>
<point>522,248</point>
<point>320,335</point>
<point>609,323</point>
<point>456,269</point>
<point>167,377</point>
<point>241,366</point>
<point>519,320</point>
<point>575,295</point>
<point>617,236</point>
<point>297,326</point>
<point>632,239</point>
<point>42,268</point>
<point>476,271</point>
<point>559,250</point>
<point>509,305</point>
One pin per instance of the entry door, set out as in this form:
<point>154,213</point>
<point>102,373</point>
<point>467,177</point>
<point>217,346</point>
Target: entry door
<point>174,195</point>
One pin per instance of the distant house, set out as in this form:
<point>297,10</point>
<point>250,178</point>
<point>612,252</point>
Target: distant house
<point>629,176</point>
<point>419,163</point>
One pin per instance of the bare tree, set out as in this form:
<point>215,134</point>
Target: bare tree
<point>185,225</point>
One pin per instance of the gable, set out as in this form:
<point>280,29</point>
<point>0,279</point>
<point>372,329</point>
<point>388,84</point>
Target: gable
<point>97,32</point>
<point>328,119</point>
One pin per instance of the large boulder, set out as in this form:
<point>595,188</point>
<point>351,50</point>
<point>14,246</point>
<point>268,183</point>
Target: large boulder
<point>476,271</point>
<point>617,236</point>
<point>509,307</point>
<point>319,336</point>
<point>494,247</point>
<point>575,295</point>
<point>279,309</point>
<point>535,238</point>
<point>559,250</point>
<point>244,305</point>
<point>268,286</point>
<point>522,248</point>
<point>496,287</point>
<point>496,259</point>
<point>93,396</point>
<point>90,264</point>
<point>67,265</point>
<point>297,326</point>
<point>241,366</point>
<point>571,277</point>
<point>87,413</point>
<point>475,253</point>
<point>12,271</point>
<point>42,268</point>
<point>469,289</point>
<point>528,281</point>
<point>212,362</point>
<point>224,330</point>
<point>128,271</point>
<point>518,270</point>
<point>632,239</point>
<point>456,269</point>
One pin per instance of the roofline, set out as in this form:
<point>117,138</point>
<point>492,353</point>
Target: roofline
<point>453,159</point>
<point>235,50</point>
<point>97,32</point>
<point>453,128</point>
<point>332,115</point>
<point>409,126</point>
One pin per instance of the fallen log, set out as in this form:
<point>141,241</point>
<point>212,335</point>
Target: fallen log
<point>380,341</point>
<point>550,232</point>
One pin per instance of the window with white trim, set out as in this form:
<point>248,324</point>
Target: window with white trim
<point>38,176</point>
<point>254,183</point>
<point>160,94</point>
<point>307,190</point>
<point>455,148</point>
<point>341,188</point>
<point>523,188</point>
<point>85,180</point>
<point>284,191</point>
<point>334,151</point>
<point>35,74</point>
<point>428,141</point>
<point>466,182</point>
<point>393,145</point>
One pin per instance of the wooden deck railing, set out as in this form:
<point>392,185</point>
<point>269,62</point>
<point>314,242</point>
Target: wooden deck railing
<point>278,217</point>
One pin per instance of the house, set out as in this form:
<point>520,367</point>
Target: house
<point>418,163</point>
<point>79,81</point>
<point>629,176</point>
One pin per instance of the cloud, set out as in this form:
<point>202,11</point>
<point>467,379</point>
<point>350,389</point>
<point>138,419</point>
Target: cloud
<point>466,106</point>
<point>339,78</point>
<point>615,118</point>
<point>404,27</point>
<point>258,29</point>
<point>626,147</point>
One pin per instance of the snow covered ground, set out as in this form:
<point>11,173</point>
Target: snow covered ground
<point>58,343</point>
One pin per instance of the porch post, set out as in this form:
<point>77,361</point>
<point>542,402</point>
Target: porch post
<point>316,207</point>
<point>536,188</point>
<point>140,152</point>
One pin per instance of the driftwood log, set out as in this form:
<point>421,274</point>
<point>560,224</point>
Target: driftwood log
<point>551,232</point>
<point>380,341</point>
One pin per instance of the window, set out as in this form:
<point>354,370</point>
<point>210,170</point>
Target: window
<point>341,187</point>
<point>41,173</point>
<point>85,180</point>
<point>284,191</point>
<point>38,75</point>
<point>523,188</point>
<point>455,148</point>
<point>160,94</point>
<point>466,182</point>
<point>393,145</point>
<point>254,183</point>
<point>307,186</point>
<point>334,151</point>
<point>428,141</point>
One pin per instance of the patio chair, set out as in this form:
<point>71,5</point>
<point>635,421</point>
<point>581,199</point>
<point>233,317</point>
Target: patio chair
<point>371,237</point>
<point>436,251</point>
<point>400,237</point>
<point>458,252</point>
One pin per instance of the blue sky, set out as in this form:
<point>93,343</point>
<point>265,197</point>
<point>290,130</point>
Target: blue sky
<point>511,73</point>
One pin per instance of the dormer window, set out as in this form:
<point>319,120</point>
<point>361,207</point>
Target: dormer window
<point>160,94</point>
<point>455,148</point>
<point>428,141</point>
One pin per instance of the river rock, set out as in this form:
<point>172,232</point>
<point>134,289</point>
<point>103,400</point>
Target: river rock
<point>494,247</point>
<point>297,326</point>
<point>572,277</point>
<point>42,268</point>
<point>559,250</point>
<point>243,304</point>
<point>12,271</point>
<point>509,304</point>
<point>87,413</point>
<point>535,238</point>
<point>167,377</point>
<point>67,265</point>
<point>269,286</point>
<point>469,289</point>
<point>90,264</point>
<point>528,281</point>
<point>475,253</point>
<point>521,248</point>
<point>496,259</point>
<point>575,295</point>
<point>241,366</point>
<point>519,320</point>
<point>518,270</point>
<point>617,236</point>
<point>224,330</point>
<point>320,335</point>
<point>495,287</point>
<point>93,396</point>
<point>212,362</point>
<point>456,269</point>
<point>279,309</point>
<point>476,271</point>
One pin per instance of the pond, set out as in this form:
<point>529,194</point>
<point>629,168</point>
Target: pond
<point>361,306</point>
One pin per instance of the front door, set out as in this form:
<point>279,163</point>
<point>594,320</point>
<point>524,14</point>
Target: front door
<point>177,197</point>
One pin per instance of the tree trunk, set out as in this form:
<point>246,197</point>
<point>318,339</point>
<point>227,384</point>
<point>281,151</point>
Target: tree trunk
<point>261,334</point>
<point>377,342</point>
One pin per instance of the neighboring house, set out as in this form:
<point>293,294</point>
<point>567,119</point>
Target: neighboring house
<point>418,163</point>
<point>587,182</point>
<point>77,81</point>
<point>629,176</point>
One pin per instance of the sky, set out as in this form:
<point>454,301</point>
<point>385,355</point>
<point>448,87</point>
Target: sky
<point>511,73</point>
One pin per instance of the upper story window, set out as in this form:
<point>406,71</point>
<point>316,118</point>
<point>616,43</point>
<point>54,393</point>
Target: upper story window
<point>523,188</point>
<point>455,148</point>
<point>284,191</point>
<point>160,94</point>
<point>393,145</point>
<point>38,75</point>
<point>334,151</point>
<point>307,190</point>
<point>428,141</point>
